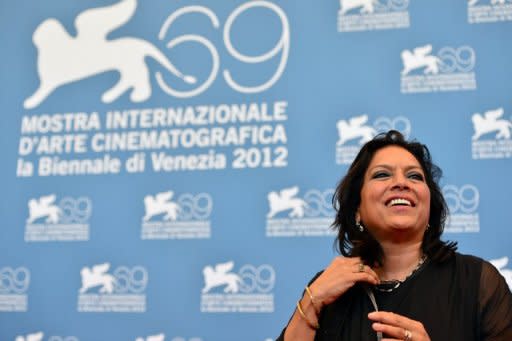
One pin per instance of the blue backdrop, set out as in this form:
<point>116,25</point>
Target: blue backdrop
<point>168,166</point>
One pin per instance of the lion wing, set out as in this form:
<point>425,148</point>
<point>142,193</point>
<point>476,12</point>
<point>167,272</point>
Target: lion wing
<point>423,50</point>
<point>96,23</point>
<point>289,192</point>
<point>358,120</point>
<point>164,196</point>
<point>493,114</point>
<point>101,268</point>
<point>47,200</point>
<point>223,268</point>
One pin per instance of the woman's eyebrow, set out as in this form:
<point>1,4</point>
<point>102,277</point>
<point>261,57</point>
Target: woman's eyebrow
<point>387,166</point>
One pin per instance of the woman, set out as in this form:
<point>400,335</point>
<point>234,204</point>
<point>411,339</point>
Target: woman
<point>390,216</point>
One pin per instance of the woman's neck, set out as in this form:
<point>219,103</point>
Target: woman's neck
<point>399,261</point>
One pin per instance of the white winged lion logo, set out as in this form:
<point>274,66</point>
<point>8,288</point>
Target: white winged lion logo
<point>214,277</point>
<point>63,59</point>
<point>367,5</point>
<point>284,200</point>
<point>490,122</point>
<point>31,337</point>
<point>44,207</point>
<point>161,203</point>
<point>420,58</point>
<point>354,128</point>
<point>97,276</point>
<point>158,337</point>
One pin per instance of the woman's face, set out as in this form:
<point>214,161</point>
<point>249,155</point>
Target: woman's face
<point>394,197</point>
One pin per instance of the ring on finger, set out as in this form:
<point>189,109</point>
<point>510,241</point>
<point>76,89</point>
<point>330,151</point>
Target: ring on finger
<point>407,335</point>
<point>360,267</point>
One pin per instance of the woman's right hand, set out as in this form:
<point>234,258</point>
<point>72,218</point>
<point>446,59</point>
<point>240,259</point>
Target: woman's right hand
<point>336,279</point>
<point>339,276</point>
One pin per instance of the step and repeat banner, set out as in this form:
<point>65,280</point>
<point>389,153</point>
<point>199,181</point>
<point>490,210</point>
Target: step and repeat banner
<point>168,165</point>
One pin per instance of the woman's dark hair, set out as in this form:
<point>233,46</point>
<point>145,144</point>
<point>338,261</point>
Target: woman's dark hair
<point>347,198</point>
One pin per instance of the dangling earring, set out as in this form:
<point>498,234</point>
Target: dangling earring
<point>428,226</point>
<point>359,226</point>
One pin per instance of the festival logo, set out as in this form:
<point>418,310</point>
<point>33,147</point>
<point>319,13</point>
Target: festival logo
<point>66,220</point>
<point>39,336</point>
<point>249,290</point>
<point>161,337</point>
<point>492,138</point>
<point>356,131</point>
<point>14,283</point>
<point>500,264</point>
<point>211,136</point>
<point>366,15</point>
<point>157,337</point>
<point>451,69</point>
<point>119,291</point>
<point>184,217</point>
<point>463,208</point>
<point>93,53</point>
<point>486,11</point>
<point>292,216</point>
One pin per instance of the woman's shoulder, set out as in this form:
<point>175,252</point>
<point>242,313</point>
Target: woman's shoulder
<point>473,261</point>
<point>468,263</point>
<point>468,260</point>
<point>460,259</point>
<point>486,271</point>
<point>461,266</point>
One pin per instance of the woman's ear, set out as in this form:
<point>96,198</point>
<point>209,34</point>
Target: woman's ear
<point>358,216</point>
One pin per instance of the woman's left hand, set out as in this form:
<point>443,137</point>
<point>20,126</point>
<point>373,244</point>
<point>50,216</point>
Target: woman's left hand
<point>398,327</point>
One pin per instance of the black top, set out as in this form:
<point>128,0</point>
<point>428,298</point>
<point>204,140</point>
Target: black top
<point>464,298</point>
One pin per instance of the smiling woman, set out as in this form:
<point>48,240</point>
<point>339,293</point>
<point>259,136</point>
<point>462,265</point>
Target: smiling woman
<point>395,199</point>
<point>396,278</point>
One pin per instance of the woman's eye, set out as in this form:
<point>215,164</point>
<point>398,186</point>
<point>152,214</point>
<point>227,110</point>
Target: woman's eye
<point>416,176</point>
<point>380,175</point>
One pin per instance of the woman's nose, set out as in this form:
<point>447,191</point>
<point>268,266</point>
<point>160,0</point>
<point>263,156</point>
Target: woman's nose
<point>400,181</point>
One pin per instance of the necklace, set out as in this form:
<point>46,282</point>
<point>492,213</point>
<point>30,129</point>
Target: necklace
<point>389,286</point>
